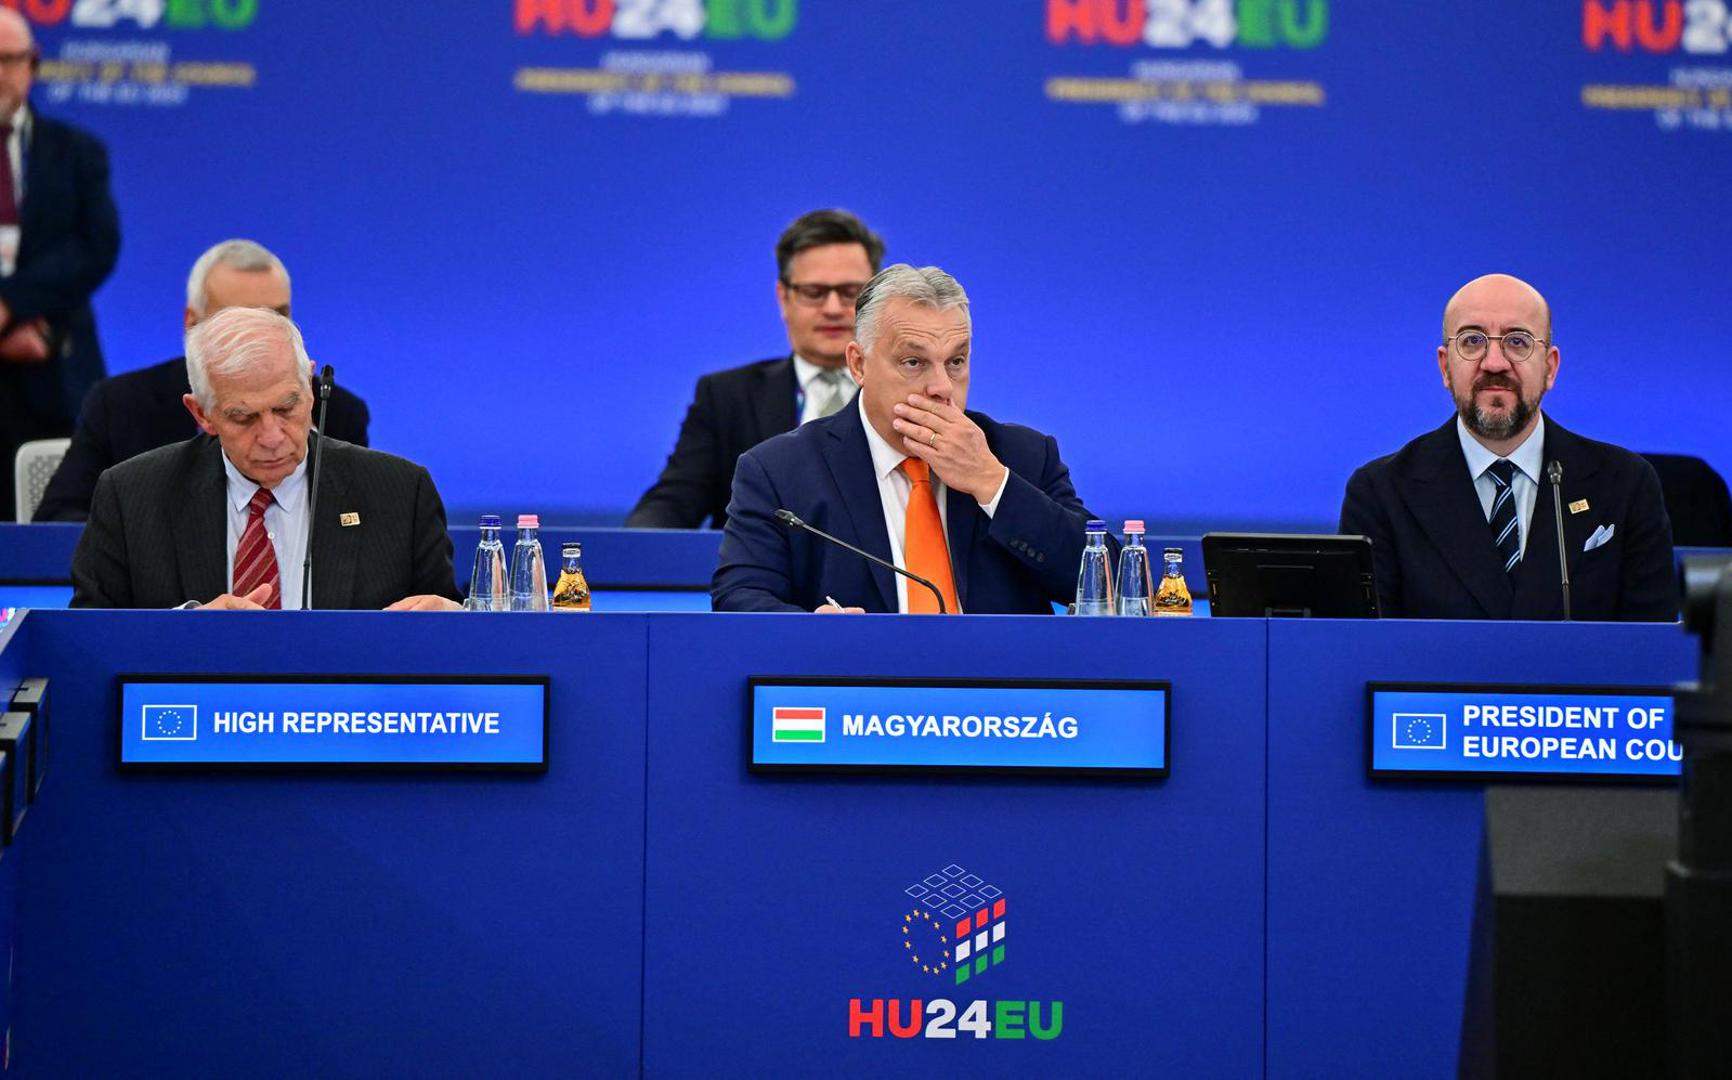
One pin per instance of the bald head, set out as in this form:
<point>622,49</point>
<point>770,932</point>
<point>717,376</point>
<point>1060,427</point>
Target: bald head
<point>1502,292</point>
<point>17,47</point>
<point>14,28</point>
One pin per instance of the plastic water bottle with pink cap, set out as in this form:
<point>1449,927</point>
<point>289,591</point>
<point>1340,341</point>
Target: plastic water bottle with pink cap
<point>528,567</point>
<point>1135,584</point>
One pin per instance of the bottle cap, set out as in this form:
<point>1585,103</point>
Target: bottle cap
<point>1095,525</point>
<point>490,521</point>
<point>529,521</point>
<point>571,549</point>
<point>1134,525</point>
<point>1175,553</point>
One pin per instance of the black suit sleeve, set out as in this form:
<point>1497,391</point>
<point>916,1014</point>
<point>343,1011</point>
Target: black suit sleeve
<point>433,574</point>
<point>99,565</point>
<point>1041,524</point>
<point>680,498</point>
<point>71,487</point>
<point>1649,590</point>
<point>60,277</point>
<point>1364,514</point>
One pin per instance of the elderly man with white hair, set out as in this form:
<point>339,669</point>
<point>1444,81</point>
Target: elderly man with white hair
<point>221,520</point>
<point>984,510</point>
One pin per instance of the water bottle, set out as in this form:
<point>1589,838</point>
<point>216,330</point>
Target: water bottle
<point>1174,597</point>
<point>488,585</point>
<point>528,569</point>
<point>1094,580</point>
<point>1135,584</point>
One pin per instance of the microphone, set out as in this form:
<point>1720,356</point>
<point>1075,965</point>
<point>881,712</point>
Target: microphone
<point>792,520</point>
<point>325,377</point>
<point>1555,473</point>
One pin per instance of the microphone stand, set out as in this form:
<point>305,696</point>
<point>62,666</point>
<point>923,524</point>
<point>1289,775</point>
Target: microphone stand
<point>325,377</point>
<point>792,520</point>
<point>1555,473</point>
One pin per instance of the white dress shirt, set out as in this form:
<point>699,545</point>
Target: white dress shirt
<point>815,392</point>
<point>1529,460</point>
<point>285,524</point>
<point>894,488</point>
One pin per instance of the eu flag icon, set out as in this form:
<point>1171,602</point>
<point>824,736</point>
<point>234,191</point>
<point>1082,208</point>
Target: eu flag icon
<point>174,723</point>
<point>1420,731</point>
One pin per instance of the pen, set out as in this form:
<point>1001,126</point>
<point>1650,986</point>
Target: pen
<point>831,600</point>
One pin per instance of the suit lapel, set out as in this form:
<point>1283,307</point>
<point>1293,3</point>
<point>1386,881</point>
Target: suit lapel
<point>1443,501</point>
<point>773,405</point>
<point>1538,584</point>
<point>200,526</point>
<point>336,549</point>
<point>962,514</point>
<point>849,460</point>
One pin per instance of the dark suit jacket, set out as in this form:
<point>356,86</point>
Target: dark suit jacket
<point>1018,561</point>
<point>158,534</point>
<point>141,410</point>
<point>1434,553</point>
<point>70,241</point>
<point>731,412</point>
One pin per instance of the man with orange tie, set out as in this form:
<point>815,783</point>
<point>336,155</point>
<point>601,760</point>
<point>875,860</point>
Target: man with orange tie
<point>984,510</point>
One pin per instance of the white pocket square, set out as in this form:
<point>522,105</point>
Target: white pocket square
<point>1602,535</point>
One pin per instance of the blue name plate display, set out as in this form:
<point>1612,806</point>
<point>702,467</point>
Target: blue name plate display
<point>390,722</point>
<point>896,725</point>
<point>1453,731</point>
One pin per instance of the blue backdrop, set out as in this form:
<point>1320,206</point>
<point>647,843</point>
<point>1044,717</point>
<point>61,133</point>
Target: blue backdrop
<point>1214,265</point>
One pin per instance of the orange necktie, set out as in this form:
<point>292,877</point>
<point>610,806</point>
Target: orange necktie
<point>923,548</point>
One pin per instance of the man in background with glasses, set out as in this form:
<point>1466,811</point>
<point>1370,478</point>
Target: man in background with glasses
<point>823,260</point>
<point>1461,519</point>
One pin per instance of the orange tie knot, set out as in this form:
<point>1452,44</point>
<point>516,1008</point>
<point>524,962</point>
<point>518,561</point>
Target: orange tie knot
<point>917,471</point>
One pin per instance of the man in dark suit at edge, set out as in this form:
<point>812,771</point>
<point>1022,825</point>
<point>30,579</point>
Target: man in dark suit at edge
<point>822,261</point>
<point>126,415</point>
<point>984,510</point>
<point>1461,519</point>
<point>59,239</point>
<point>222,518</point>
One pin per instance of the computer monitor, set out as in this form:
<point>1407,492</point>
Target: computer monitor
<point>1266,575</point>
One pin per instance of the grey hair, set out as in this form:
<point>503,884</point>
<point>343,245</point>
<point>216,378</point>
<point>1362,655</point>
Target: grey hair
<point>239,254</point>
<point>926,285</point>
<point>237,340</point>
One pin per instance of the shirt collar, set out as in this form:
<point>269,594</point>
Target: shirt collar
<point>805,371</point>
<point>241,489</point>
<point>885,458</point>
<point>1528,457</point>
<point>21,121</point>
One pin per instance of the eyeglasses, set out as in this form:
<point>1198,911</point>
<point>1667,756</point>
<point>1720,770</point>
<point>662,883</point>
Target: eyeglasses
<point>813,294</point>
<point>1518,345</point>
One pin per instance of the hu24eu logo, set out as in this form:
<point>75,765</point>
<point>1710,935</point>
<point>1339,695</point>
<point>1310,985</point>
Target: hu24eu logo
<point>953,931</point>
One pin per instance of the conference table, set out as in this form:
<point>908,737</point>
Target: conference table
<point>649,904</point>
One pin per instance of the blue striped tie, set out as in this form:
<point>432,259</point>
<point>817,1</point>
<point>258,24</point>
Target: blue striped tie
<point>1505,532</point>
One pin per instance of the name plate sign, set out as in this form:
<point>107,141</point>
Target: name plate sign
<point>1452,731</point>
<point>898,725</point>
<point>391,722</point>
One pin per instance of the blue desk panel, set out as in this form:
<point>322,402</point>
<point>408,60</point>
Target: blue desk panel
<point>323,925</point>
<point>773,901</point>
<point>1371,886</point>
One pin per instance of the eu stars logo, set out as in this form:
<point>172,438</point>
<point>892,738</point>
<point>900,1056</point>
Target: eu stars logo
<point>170,723</point>
<point>1420,731</point>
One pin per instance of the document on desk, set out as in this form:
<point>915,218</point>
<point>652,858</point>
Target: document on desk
<point>1442,731</point>
<point>375,722</point>
<point>1117,728</point>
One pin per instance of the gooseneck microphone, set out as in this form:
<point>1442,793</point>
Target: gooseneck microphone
<point>326,375</point>
<point>1555,473</point>
<point>792,520</point>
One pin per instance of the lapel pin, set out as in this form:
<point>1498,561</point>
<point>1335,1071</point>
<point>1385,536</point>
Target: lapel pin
<point>352,518</point>
<point>1579,506</point>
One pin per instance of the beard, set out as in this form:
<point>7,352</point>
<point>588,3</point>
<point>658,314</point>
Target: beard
<point>1496,426</point>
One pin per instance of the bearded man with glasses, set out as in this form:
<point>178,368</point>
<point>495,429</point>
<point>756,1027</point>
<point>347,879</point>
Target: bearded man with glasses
<point>1461,519</point>
<point>823,260</point>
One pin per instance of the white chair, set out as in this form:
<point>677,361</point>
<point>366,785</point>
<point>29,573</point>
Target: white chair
<point>31,471</point>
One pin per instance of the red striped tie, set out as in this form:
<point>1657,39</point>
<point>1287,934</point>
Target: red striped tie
<point>255,558</point>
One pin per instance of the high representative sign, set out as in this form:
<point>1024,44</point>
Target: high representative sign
<point>1452,731</point>
<point>409,722</point>
<point>1108,728</point>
